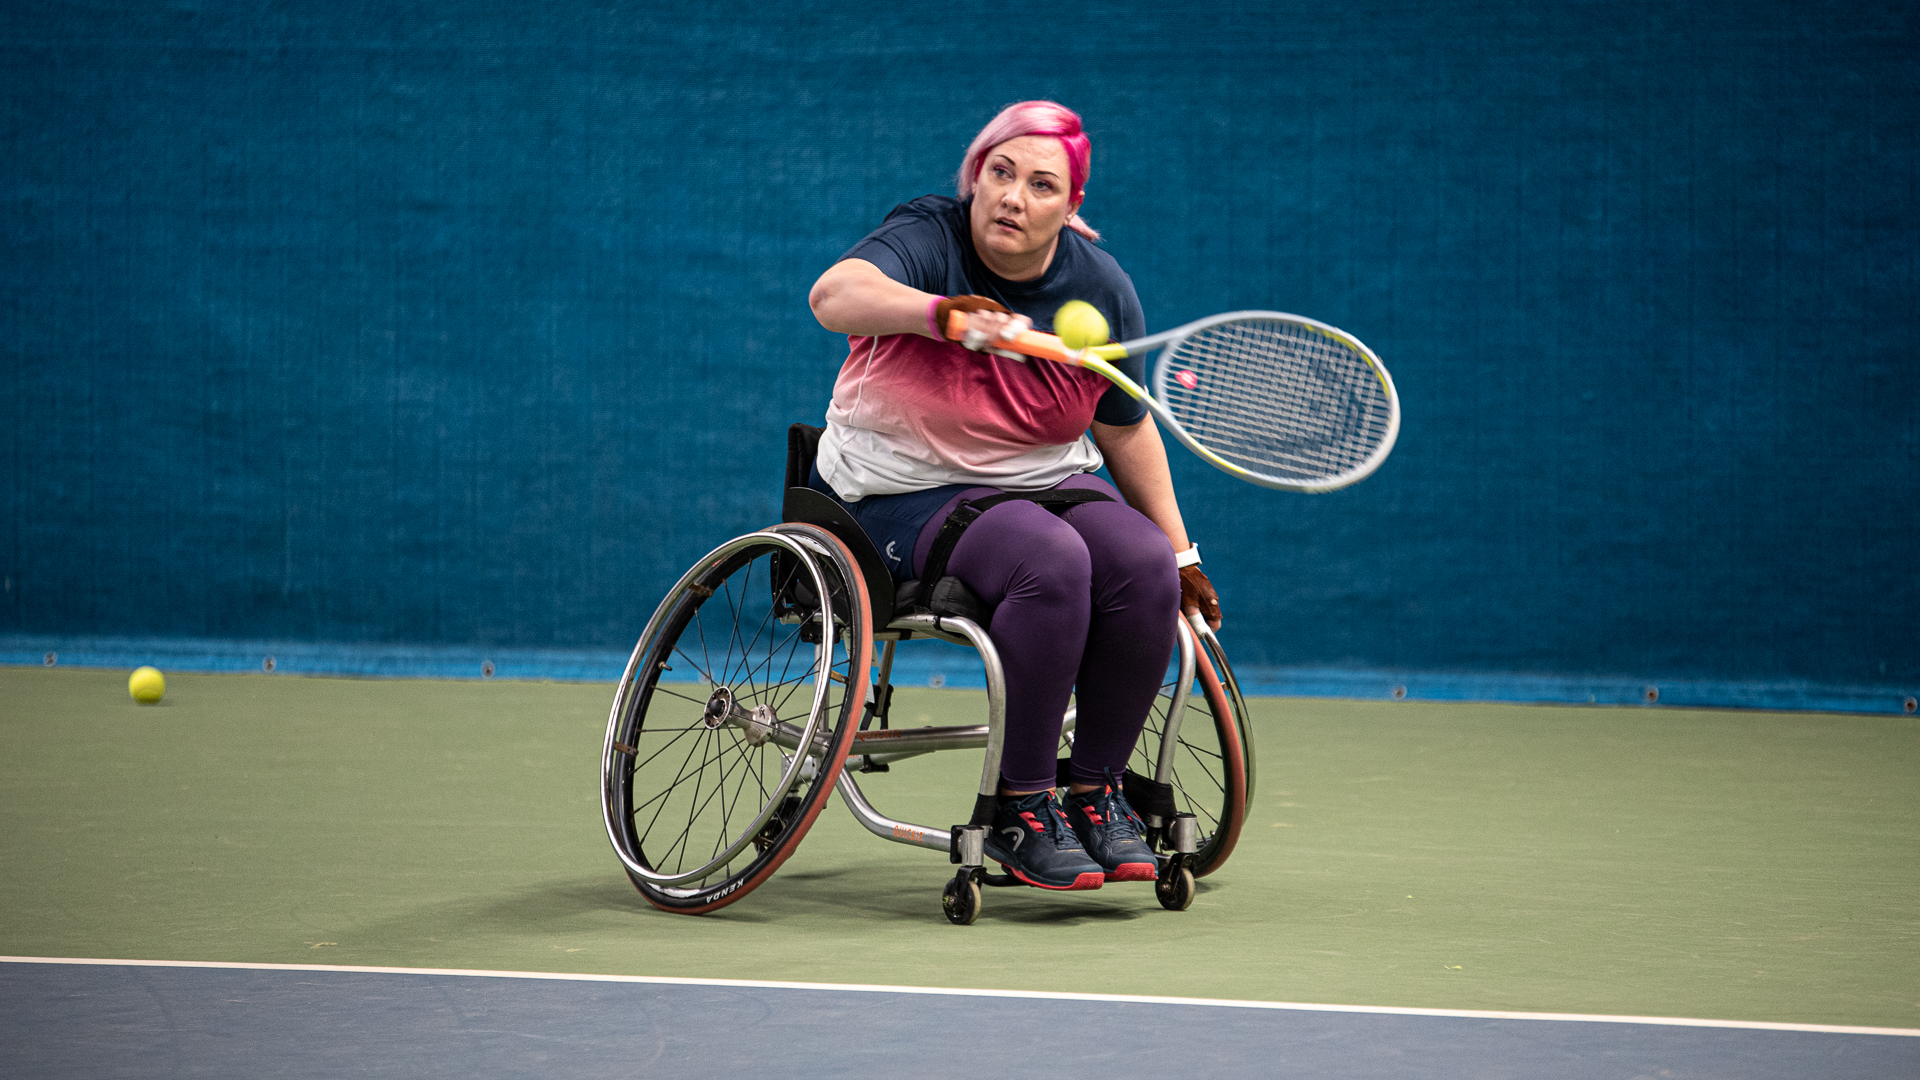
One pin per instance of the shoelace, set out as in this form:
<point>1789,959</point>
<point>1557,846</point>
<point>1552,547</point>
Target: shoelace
<point>1043,806</point>
<point>1122,822</point>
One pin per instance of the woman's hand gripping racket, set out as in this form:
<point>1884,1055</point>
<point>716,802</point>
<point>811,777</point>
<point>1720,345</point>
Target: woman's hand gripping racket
<point>1274,399</point>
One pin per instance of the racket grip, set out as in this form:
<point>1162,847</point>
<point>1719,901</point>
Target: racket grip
<point>1030,343</point>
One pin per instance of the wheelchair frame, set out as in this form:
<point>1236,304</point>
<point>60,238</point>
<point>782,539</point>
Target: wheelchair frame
<point>825,600</point>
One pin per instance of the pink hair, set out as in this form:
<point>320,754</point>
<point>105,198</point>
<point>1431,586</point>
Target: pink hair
<point>1035,118</point>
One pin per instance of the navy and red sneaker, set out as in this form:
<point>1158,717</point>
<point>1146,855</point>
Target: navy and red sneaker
<point>1031,839</point>
<point>1112,833</point>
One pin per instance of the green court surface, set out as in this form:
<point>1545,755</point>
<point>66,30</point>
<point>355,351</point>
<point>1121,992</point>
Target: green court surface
<point>1736,865</point>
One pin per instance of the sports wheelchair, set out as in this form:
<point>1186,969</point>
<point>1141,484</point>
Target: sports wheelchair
<point>746,703</point>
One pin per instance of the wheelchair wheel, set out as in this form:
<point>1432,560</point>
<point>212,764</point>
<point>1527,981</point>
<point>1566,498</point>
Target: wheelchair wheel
<point>735,713</point>
<point>1212,774</point>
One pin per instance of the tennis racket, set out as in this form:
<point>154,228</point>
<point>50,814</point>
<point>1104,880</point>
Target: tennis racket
<point>1273,399</point>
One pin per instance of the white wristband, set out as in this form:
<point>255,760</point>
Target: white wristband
<point>1189,557</point>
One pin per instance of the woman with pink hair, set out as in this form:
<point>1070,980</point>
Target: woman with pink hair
<point>1084,600</point>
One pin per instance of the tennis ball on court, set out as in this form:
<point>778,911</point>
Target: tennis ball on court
<point>146,685</point>
<point>1080,325</point>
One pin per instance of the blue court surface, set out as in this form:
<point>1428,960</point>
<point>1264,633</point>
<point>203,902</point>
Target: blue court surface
<point>108,1018</point>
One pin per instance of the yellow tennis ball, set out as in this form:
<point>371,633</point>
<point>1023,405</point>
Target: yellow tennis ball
<point>1080,325</point>
<point>146,685</point>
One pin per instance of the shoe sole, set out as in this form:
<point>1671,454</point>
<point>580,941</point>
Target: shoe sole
<point>1134,871</point>
<point>1080,883</point>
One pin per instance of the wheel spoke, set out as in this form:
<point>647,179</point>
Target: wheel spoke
<point>790,685</point>
<point>700,806</point>
<point>691,662</point>
<point>706,650</point>
<point>788,688</point>
<point>726,808</point>
<point>1219,781</point>
<point>726,812</point>
<point>706,758</point>
<point>671,787</point>
<point>702,702</point>
<point>750,666</point>
<point>786,666</point>
<point>1194,805</point>
<point>683,732</point>
<point>733,605</point>
<point>694,796</point>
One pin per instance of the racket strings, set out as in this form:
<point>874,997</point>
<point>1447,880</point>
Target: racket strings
<point>1278,398</point>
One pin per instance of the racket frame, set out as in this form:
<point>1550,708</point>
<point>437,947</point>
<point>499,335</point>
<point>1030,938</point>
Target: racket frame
<point>1099,358</point>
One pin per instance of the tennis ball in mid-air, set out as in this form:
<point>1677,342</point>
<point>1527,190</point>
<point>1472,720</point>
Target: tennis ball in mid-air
<point>146,685</point>
<point>1079,325</point>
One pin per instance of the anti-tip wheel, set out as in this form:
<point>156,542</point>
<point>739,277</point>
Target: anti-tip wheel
<point>961,902</point>
<point>1175,891</point>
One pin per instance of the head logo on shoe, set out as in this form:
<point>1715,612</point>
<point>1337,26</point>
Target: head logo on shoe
<point>1036,844</point>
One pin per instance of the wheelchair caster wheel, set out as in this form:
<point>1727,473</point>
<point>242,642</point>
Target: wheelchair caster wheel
<point>1175,890</point>
<point>961,900</point>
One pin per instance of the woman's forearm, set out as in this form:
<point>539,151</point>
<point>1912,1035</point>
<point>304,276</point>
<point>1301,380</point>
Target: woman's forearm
<point>1137,460</point>
<point>854,297</point>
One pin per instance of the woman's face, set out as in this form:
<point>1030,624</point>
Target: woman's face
<point>1021,201</point>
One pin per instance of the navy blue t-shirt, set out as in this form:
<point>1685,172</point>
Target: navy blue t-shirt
<point>926,244</point>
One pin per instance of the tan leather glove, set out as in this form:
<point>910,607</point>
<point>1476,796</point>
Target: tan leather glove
<point>951,304</point>
<point>1196,594</point>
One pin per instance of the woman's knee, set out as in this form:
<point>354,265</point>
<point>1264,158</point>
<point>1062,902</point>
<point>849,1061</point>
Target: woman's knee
<point>1020,548</point>
<point>1129,554</point>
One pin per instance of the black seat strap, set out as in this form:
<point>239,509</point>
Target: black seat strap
<point>970,510</point>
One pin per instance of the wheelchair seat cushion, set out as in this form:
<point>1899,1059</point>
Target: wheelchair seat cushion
<point>948,596</point>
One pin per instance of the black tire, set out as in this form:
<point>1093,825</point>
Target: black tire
<point>700,812</point>
<point>1212,775</point>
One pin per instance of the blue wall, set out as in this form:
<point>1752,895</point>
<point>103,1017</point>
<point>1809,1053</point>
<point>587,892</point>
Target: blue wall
<point>474,322</point>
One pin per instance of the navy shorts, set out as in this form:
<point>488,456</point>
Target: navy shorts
<point>893,522</point>
<point>903,526</point>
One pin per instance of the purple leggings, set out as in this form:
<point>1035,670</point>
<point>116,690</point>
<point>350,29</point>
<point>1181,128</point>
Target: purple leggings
<point>1083,600</point>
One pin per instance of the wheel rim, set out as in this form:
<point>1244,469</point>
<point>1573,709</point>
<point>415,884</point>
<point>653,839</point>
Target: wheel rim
<point>700,787</point>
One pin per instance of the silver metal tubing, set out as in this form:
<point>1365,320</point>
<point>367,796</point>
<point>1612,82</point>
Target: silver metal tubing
<point>944,627</point>
<point>891,744</point>
<point>885,827</point>
<point>967,632</point>
<point>780,733</point>
<point>867,762</point>
<point>1177,708</point>
<point>1186,833</point>
<point>921,740</point>
<point>899,744</point>
<point>886,666</point>
<point>972,841</point>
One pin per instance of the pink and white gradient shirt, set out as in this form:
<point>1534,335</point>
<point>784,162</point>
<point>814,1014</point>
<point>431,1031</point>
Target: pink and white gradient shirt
<point>909,413</point>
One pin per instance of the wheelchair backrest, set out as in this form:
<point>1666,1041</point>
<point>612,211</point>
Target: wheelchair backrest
<point>802,503</point>
<point>803,445</point>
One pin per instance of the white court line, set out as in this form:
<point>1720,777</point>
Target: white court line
<point>1046,995</point>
